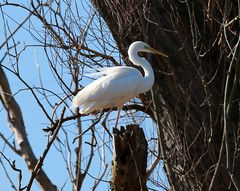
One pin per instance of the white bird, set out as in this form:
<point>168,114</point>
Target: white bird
<point>119,84</point>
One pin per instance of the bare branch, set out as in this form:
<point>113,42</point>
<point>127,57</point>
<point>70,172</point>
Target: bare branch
<point>17,126</point>
<point>10,145</point>
<point>40,161</point>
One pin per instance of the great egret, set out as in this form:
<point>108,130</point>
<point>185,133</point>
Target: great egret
<point>119,84</point>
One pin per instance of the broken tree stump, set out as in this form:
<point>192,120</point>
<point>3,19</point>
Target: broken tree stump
<point>129,159</point>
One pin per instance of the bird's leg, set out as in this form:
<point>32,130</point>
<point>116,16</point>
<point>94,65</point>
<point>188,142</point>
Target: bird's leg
<point>104,122</point>
<point>118,115</point>
<point>105,118</point>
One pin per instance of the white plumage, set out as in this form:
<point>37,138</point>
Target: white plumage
<point>119,84</point>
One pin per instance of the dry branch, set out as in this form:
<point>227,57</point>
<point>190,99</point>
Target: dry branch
<point>17,125</point>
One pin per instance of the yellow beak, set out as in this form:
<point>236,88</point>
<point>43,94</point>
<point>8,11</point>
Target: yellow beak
<point>152,50</point>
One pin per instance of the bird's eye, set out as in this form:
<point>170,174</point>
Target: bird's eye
<point>146,47</point>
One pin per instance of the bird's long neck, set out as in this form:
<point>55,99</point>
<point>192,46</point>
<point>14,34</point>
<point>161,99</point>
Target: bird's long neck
<point>148,78</point>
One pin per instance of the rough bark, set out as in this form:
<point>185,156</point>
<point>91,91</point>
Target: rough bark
<point>129,160</point>
<point>16,123</point>
<point>201,76</point>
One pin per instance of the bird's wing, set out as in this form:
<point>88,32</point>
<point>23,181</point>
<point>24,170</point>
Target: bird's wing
<point>114,86</point>
<point>109,70</point>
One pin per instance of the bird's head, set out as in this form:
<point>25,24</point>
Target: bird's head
<point>140,46</point>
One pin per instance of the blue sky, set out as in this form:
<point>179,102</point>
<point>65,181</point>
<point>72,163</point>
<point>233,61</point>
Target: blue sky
<point>32,63</point>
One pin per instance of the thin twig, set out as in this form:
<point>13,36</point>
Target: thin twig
<point>219,163</point>
<point>13,166</point>
<point>40,161</point>
<point>162,147</point>
<point>18,152</point>
<point>19,26</point>
<point>227,106</point>
<point>7,175</point>
<point>97,181</point>
<point>93,124</point>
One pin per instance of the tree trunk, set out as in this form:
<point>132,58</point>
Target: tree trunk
<point>129,160</point>
<point>197,88</point>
